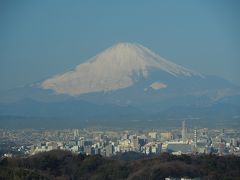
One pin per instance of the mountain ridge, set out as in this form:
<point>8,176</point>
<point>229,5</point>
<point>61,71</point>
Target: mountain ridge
<point>118,67</point>
<point>142,92</point>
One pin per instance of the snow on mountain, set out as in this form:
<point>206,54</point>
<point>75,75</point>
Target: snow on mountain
<point>158,85</point>
<point>115,68</point>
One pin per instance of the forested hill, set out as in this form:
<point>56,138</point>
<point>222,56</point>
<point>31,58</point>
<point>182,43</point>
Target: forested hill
<point>65,165</point>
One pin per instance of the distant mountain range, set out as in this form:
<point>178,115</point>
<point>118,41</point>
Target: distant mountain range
<point>126,81</point>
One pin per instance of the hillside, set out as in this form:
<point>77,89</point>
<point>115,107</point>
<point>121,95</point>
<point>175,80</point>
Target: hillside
<point>65,165</point>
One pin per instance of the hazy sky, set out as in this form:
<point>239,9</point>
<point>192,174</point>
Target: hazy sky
<point>41,38</point>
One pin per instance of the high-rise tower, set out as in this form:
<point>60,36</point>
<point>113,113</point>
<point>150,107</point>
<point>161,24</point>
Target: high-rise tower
<point>195,138</point>
<point>184,131</point>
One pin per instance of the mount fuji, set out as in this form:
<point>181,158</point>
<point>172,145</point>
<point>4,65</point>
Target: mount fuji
<point>126,81</point>
<point>118,67</point>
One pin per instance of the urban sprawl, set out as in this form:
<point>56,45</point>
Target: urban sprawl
<point>108,142</point>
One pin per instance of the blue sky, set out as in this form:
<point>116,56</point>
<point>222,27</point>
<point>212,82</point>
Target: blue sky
<point>41,38</point>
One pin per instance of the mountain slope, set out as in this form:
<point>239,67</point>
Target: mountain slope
<point>117,67</point>
<point>67,109</point>
<point>126,81</point>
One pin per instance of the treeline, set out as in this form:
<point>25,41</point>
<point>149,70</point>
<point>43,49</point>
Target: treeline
<point>65,165</point>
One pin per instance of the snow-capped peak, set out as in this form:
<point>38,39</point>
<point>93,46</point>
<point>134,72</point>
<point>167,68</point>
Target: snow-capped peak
<point>113,69</point>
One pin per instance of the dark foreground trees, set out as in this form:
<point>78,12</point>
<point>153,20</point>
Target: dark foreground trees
<point>65,165</point>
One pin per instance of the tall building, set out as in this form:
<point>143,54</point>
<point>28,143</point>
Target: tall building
<point>109,150</point>
<point>183,131</point>
<point>195,138</point>
<point>135,144</point>
<point>152,135</point>
<point>166,135</point>
<point>76,134</point>
<point>89,150</point>
<point>223,132</point>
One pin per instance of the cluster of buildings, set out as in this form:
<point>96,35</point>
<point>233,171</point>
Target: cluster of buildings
<point>111,142</point>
